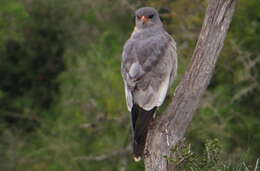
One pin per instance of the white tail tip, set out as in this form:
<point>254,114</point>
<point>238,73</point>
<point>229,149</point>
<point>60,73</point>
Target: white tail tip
<point>137,159</point>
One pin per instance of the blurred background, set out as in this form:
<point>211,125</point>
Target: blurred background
<point>62,104</point>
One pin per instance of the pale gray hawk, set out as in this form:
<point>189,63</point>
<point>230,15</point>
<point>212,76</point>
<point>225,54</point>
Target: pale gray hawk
<point>149,66</point>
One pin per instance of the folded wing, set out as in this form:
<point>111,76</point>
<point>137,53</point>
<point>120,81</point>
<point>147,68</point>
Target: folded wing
<point>148,69</point>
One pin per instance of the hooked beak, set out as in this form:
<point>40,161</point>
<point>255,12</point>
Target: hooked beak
<point>144,19</point>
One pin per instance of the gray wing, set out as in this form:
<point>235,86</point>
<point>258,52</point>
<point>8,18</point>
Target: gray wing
<point>148,68</point>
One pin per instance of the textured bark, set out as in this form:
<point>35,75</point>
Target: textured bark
<point>168,129</point>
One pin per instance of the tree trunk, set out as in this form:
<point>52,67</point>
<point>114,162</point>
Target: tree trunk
<point>168,129</point>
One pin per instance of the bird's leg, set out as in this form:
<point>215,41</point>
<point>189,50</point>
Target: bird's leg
<point>151,125</point>
<point>154,114</point>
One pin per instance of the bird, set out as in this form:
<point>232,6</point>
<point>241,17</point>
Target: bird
<point>148,68</point>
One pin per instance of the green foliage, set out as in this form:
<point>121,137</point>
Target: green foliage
<point>210,158</point>
<point>248,19</point>
<point>31,62</point>
<point>186,159</point>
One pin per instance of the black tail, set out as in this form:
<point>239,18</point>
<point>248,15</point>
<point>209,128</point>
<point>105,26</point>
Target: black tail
<point>140,120</point>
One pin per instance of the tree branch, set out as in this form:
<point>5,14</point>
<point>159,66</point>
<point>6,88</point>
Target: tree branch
<point>171,127</point>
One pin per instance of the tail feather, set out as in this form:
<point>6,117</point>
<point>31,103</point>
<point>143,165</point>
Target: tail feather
<point>140,121</point>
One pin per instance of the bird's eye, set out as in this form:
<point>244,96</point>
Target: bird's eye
<point>151,16</point>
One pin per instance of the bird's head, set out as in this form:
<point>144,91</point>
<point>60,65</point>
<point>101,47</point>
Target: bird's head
<point>147,17</point>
